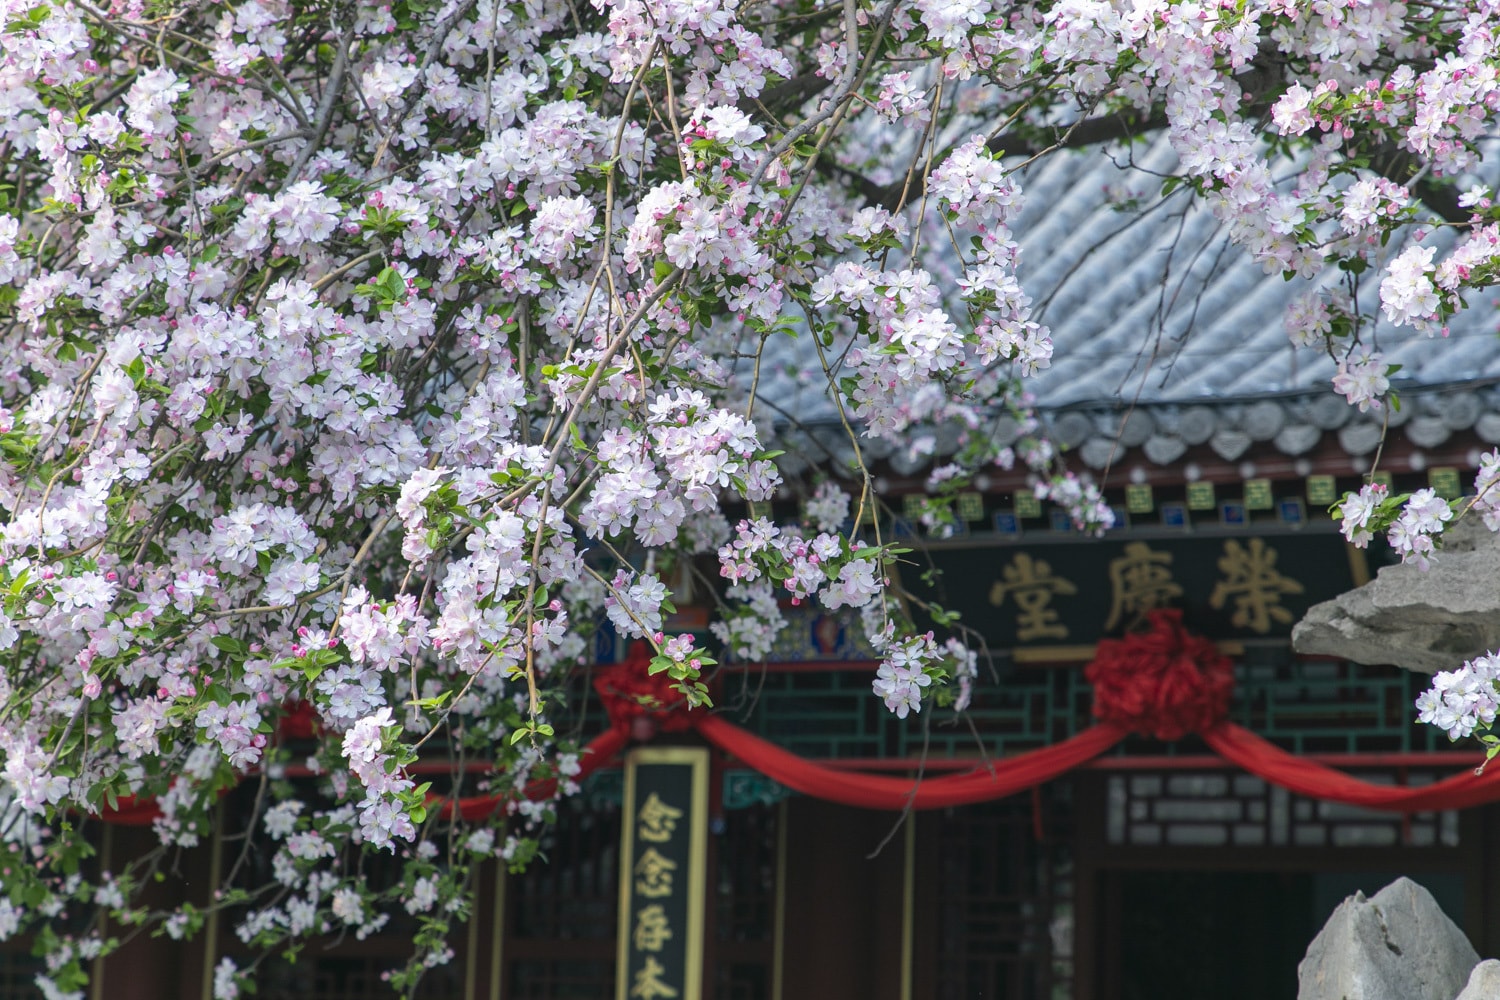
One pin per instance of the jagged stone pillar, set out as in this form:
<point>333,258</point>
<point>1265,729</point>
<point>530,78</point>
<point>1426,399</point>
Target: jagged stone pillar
<point>1427,621</point>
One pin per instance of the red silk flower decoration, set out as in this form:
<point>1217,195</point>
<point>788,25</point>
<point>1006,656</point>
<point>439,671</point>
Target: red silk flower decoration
<point>637,700</point>
<point>1164,682</point>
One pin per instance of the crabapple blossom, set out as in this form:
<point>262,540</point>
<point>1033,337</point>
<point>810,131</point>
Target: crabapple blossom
<point>361,363</point>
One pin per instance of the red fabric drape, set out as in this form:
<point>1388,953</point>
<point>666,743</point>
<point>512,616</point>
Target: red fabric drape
<point>131,811</point>
<point>1163,682</point>
<point>1263,759</point>
<point>867,791</point>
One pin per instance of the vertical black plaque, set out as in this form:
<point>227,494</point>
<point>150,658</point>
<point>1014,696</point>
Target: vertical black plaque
<point>663,847</point>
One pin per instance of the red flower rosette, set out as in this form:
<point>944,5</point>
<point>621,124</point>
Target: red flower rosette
<point>1163,682</point>
<point>640,701</point>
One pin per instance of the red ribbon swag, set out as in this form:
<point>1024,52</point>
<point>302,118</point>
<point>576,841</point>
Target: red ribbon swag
<point>1163,682</point>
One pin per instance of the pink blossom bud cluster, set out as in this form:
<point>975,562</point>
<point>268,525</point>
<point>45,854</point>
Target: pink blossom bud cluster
<point>1411,522</point>
<point>1083,501</point>
<point>383,816</point>
<point>1363,379</point>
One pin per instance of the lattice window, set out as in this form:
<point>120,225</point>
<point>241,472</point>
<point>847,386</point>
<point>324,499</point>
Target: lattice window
<point>743,895</point>
<point>571,893</point>
<point>744,889</point>
<point>1330,706</point>
<point>1005,902</point>
<point>565,979</point>
<point>560,935</point>
<point>742,981</point>
<point>324,977</point>
<point>1305,706</point>
<point>1026,710</point>
<point>1225,808</point>
<point>816,714</point>
<point>17,976</point>
<point>563,910</point>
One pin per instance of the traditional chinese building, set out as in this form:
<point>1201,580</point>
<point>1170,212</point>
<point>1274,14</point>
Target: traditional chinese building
<point>1158,869</point>
<point>1155,869</point>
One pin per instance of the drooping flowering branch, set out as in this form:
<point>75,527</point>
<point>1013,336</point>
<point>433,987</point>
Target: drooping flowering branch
<point>368,356</point>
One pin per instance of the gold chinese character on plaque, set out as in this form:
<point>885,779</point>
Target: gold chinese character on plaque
<point>651,928</point>
<point>648,982</point>
<point>657,820</point>
<point>1030,583</point>
<point>653,874</point>
<point>1140,581</point>
<point>1250,578</point>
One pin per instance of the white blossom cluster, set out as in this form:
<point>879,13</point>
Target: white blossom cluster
<point>362,360</point>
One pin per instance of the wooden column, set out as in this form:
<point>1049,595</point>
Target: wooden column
<point>843,909</point>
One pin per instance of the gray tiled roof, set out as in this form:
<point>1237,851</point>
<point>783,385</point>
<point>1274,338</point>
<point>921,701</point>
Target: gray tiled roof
<point>1164,282</point>
<point>1151,311</point>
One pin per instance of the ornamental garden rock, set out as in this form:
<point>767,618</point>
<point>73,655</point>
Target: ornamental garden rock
<point>1396,945</point>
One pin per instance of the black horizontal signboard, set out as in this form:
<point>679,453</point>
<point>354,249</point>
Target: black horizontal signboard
<point>1040,598</point>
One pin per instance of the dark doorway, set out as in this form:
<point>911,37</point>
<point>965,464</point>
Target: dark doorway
<point>1232,935</point>
<point>1226,935</point>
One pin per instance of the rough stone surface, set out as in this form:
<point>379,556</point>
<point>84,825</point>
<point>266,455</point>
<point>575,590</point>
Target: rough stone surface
<point>1422,621</point>
<point>1484,982</point>
<point>1397,945</point>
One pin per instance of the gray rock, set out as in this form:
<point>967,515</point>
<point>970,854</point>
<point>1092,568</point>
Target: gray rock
<point>1484,982</point>
<point>1421,621</point>
<point>1398,945</point>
